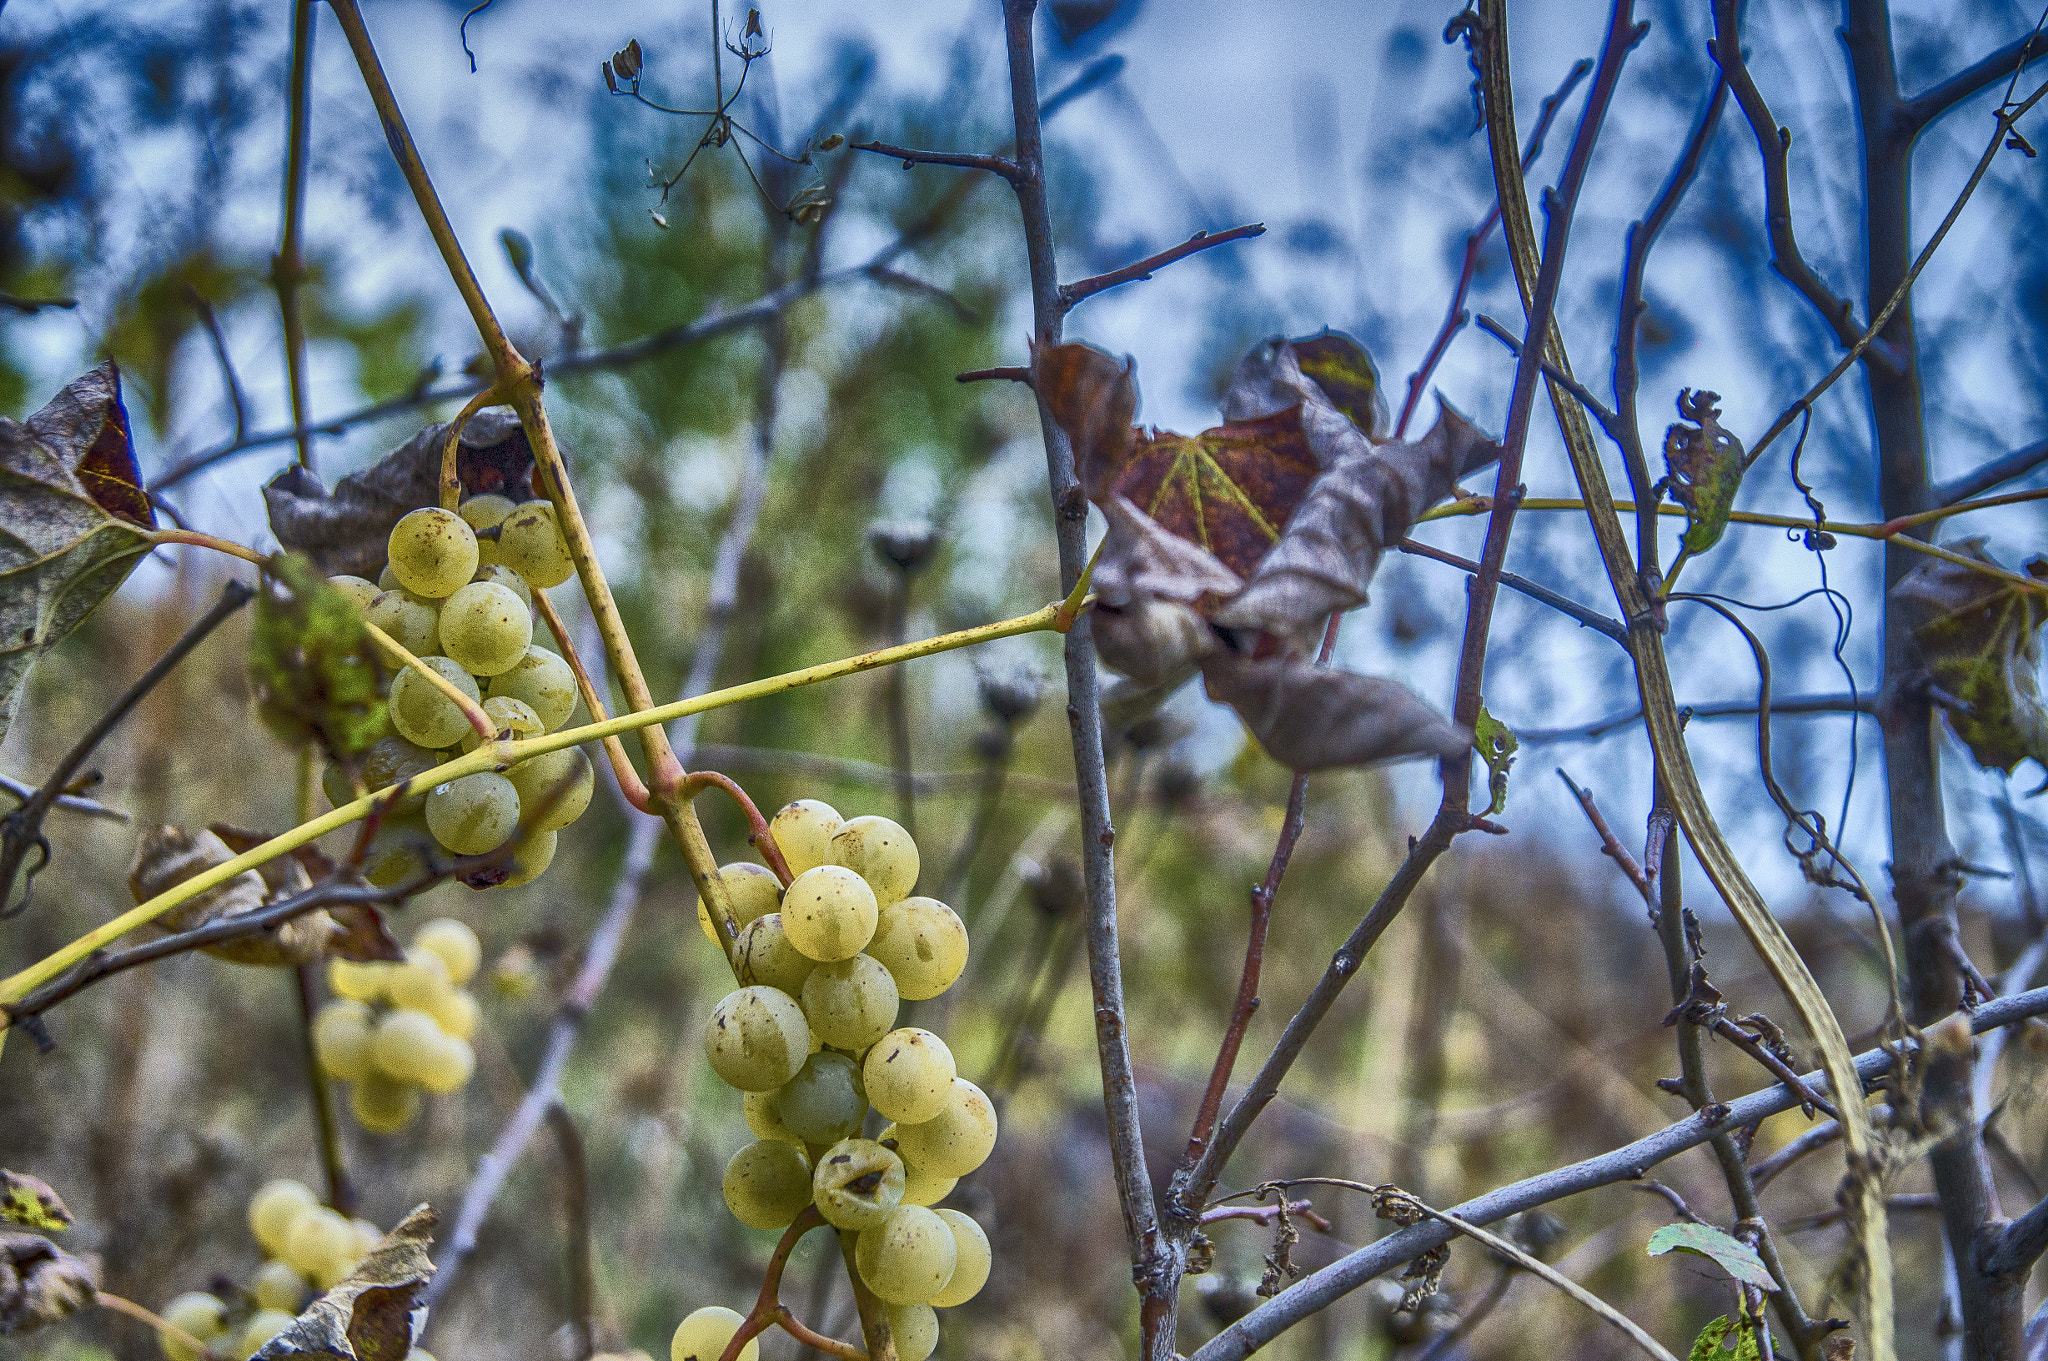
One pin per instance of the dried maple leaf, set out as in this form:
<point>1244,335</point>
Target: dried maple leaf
<point>168,856</point>
<point>363,935</point>
<point>1093,397</point>
<point>1276,374</point>
<point>1314,718</point>
<point>369,1315</point>
<point>1981,639</point>
<point>1150,587</point>
<point>1231,489</point>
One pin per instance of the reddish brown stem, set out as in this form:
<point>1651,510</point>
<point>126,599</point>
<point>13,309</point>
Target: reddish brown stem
<point>1009,373</point>
<point>810,1337</point>
<point>766,1304</point>
<point>630,784</point>
<point>757,826</point>
<point>1610,844</point>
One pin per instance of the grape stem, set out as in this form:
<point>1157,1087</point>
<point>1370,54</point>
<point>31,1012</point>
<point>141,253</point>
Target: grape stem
<point>631,786</point>
<point>217,544</point>
<point>164,1327</point>
<point>757,826</point>
<point>770,1312</point>
<point>471,710</point>
<point>451,482</point>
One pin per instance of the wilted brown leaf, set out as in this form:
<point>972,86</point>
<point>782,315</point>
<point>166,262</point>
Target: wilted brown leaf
<point>363,935</point>
<point>1093,397</point>
<point>1312,718</point>
<point>368,1317</point>
<point>1152,590</point>
<point>346,532</point>
<point>168,856</point>
<point>1981,640</point>
<point>1703,468</point>
<point>31,1202</point>
<point>41,1283</point>
<point>1271,378</point>
<point>1231,489</point>
<point>74,521</point>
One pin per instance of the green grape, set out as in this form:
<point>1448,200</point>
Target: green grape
<point>446,1065</point>
<point>413,621</point>
<point>850,1002</point>
<point>753,890</point>
<point>277,1286</point>
<point>341,1039</point>
<point>705,1335</point>
<point>923,944</point>
<point>544,681</point>
<point>473,814</point>
<point>508,716</point>
<point>909,1075</point>
<point>531,856</point>
<point>263,1325</point>
<point>972,1260</point>
<point>915,1330</point>
<point>273,1210</point>
<point>364,982</point>
<point>857,1184</point>
<point>556,785</point>
<point>433,551</point>
<point>387,580</point>
<point>455,1012</point>
<point>382,1105</point>
<point>498,574</point>
<point>955,1141</point>
<point>767,1184</point>
<point>824,1102</point>
<point>756,1039</point>
<point>878,851</point>
<point>319,1236</point>
<point>486,512</point>
<point>486,627</point>
<point>908,1257</point>
<point>398,850</point>
<point>402,1045</point>
<point>359,591</point>
<point>392,759</point>
<point>454,944</point>
<point>531,544</point>
<point>829,913</point>
<point>199,1314</point>
<point>422,714</point>
<point>922,1187</point>
<point>764,1119</point>
<point>419,981</point>
<point>802,830</point>
<point>765,956</point>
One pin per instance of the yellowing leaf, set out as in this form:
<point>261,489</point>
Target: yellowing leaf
<point>1981,640</point>
<point>1704,467</point>
<point>318,677</point>
<point>31,1203</point>
<point>1496,744</point>
<point>1731,1254</point>
<point>368,1316</point>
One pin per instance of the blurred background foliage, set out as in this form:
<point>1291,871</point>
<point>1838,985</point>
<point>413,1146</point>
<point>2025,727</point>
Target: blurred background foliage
<point>1508,1022</point>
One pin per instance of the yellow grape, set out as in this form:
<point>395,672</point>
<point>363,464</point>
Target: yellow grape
<point>530,542</point>
<point>319,1237</point>
<point>486,627</point>
<point>955,1141</point>
<point>753,890</point>
<point>878,851</point>
<point>705,1335</point>
<point>403,1044</point>
<point>273,1210</point>
<point>383,1105</point>
<point>767,1184</point>
<point>857,1183</point>
<point>392,759</point>
<point>198,1313</point>
<point>341,1039</point>
<point>531,858</point>
<point>565,777</point>
<point>764,1119</point>
<point>455,1012</point>
<point>277,1286</point>
<point>474,814</point>
<point>908,1257</point>
<point>454,944</point>
<point>544,681</point>
<point>756,1039</point>
<point>508,715</point>
<point>487,511</point>
<point>433,552</point>
<point>498,574</point>
<point>368,1236</point>
<point>915,1330</point>
<point>359,592</point>
<point>824,1102</point>
<point>909,1075</point>
<point>423,978</point>
<point>972,1260</point>
<point>923,944</point>
<point>920,1186</point>
<point>413,621</point>
<point>765,956</point>
<point>802,830</point>
<point>422,714</point>
<point>387,580</point>
<point>851,1003</point>
<point>447,1065</point>
<point>365,982</point>
<point>829,913</point>
<point>263,1325</point>
<point>398,850</point>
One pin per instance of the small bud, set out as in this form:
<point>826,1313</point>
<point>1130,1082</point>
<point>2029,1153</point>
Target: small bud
<point>832,143</point>
<point>1009,694</point>
<point>906,545</point>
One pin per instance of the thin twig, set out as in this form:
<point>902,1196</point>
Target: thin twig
<point>965,160</point>
<point>1073,293</point>
<point>1610,845</point>
<point>288,267</point>
<point>1734,708</point>
<point>341,1193</point>
<point>1975,483</point>
<point>576,1213</point>
<point>1586,616</point>
<point>1913,115</point>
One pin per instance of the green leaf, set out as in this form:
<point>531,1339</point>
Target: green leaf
<point>1704,466</point>
<point>31,1203</point>
<point>1496,744</point>
<point>1732,1255</point>
<point>1715,1344</point>
<point>1980,637</point>
<point>74,521</point>
<point>317,675</point>
<point>1344,370</point>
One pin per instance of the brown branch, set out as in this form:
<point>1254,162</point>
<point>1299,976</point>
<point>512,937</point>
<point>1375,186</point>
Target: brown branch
<point>1587,617</point>
<point>965,160</point>
<point>1072,294</point>
<point>288,266</point>
<point>576,1211</point>
<point>1610,845</point>
<point>1913,115</point>
<point>757,826</point>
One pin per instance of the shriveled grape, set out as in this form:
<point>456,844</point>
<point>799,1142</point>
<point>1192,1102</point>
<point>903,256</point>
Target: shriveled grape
<point>422,714</point>
<point>878,851</point>
<point>971,1262</point>
<point>923,944</point>
<point>850,1002</point>
<point>955,1141</point>
<point>756,1039</point>
<point>554,787</point>
<point>857,1183</point>
<point>824,1102</point>
<point>829,913</point>
<point>909,1075</point>
<point>802,830</point>
<point>432,551</point>
<point>486,627</point>
<point>413,621</point>
<point>530,542</point>
<point>510,717</point>
<point>544,681</point>
<point>487,511</point>
<point>705,1334</point>
<point>767,1184</point>
<point>908,1257</point>
<point>473,814</point>
<point>752,890</point>
<point>765,956</point>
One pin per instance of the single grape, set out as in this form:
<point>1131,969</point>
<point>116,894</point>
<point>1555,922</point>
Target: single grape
<point>753,890</point>
<point>368,1236</point>
<point>955,1141</point>
<point>705,1335</point>
<point>473,814</point>
<point>382,1105</point>
<point>756,1039</point>
<point>878,851</point>
<point>764,1119</point>
<point>921,1187</point>
<point>399,849</point>
<point>422,714</point>
<point>364,982</point>
<point>829,913</point>
<point>915,1330</point>
<point>319,1236</point>
<point>419,981</point>
<point>510,717</point>
<point>341,1039</point>
<point>273,1210</point>
<point>498,574</point>
<point>530,542</point>
<point>972,1261</point>
<point>850,1002</point>
<point>544,681</point>
<point>359,592</point>
<point>556,786</point>
<point>387,580</point>
<point>433,551</point>
<point>456,946</point>
<point>767,1184</point>
<point>802,830</point>
<point>263,1325</point>
<point>908,1257</point>
<point>486,627</point>
<point>765,956</point>
<point>277,1286</point>
<point>531,856</point>
<point>909,1075</point>
<point>923,944</point>
<point>404,1043</point>
<point>198,1313</point>
<point>446,1065</point>
<point>486,512</point>
<point>392,759</point>
<point>857,1184</point>
<point>455,1012</point>
<point>824,1102</point>
<point>413,621</point>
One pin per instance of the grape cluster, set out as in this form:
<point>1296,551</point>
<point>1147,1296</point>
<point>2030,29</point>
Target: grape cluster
<point>810,1038</point>
<point>393,1029</point>
<point>463,604</point>
<point>307,1248</point>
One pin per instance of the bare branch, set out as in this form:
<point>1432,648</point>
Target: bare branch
<point>1587,616</point>
<point>1071,294</point>
<point>965,160</point>
<point>1794,704</point>
<point>1915,114</point>
<point>1972,484</point>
